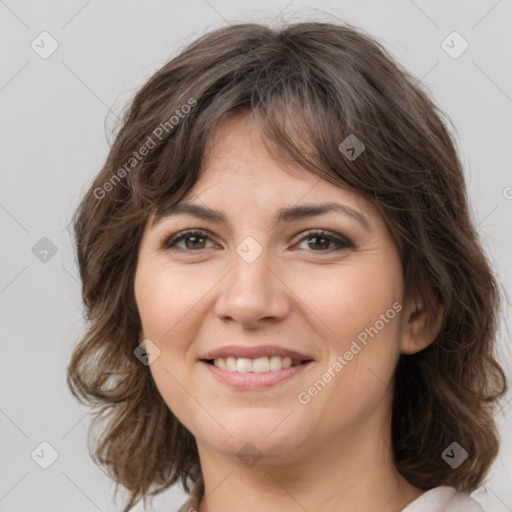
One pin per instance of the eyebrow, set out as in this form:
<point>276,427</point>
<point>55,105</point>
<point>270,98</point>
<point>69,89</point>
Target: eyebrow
<point>289,214</point>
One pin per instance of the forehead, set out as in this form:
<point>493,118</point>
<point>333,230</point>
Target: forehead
<point>237,161</point>
<point>241,180</point>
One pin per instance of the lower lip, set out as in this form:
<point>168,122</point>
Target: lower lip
<point>255,380</point>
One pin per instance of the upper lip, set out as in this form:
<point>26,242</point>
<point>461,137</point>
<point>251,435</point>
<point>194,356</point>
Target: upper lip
<point>239,351</point>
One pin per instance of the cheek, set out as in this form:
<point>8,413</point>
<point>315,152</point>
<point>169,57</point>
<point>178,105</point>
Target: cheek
<point>364,312</point>
<point>347,299</point>
<point>167,300</point>
<point>168,304</point>
<point>360,329</point>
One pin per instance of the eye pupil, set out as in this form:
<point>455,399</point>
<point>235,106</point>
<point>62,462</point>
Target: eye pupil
<point>324,245</point>
<point>193,237</point>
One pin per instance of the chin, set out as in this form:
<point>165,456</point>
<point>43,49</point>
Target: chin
<point>257,440</point>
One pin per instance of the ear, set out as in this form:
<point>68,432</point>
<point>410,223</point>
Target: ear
<point>417,333</point>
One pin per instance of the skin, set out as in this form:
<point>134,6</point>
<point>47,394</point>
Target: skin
<point>333,453</point>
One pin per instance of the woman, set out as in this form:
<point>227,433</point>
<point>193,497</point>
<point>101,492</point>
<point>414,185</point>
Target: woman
<point>288,305</point>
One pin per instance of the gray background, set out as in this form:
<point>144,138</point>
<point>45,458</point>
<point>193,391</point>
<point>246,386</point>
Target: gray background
<point>55,114</point>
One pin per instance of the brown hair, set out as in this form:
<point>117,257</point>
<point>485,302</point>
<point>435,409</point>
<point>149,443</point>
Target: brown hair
<point>311,85</point>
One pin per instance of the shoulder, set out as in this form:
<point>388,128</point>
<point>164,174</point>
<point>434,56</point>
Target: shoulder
<point>444,499</point>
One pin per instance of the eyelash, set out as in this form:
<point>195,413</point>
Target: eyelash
<point>343,242</point>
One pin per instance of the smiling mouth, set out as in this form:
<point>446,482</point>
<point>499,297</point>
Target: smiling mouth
<point>259,365</point>
<point>255,374</point>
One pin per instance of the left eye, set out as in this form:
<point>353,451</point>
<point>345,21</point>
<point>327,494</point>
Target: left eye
<point>327,238</point>
<point>195,239</point>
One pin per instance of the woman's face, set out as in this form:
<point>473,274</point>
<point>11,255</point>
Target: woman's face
<point>254,280</point>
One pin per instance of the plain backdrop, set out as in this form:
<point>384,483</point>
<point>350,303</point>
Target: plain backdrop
<point>56,113</point>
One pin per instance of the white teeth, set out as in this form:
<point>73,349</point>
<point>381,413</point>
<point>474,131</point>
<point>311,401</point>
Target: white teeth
<point>243,365</point>
<point>221,363</point>
<point>261,364</point>
<point>276,363</point>
<point>230,364</point>
<point>258,365</point>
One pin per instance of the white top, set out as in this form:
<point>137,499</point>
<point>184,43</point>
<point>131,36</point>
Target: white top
<point>444,499</point>
<point>438,499</point>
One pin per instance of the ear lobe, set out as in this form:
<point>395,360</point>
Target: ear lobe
<point>417,332</point>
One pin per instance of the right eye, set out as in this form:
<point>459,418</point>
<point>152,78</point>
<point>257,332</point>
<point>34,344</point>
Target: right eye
<point>197,238</point>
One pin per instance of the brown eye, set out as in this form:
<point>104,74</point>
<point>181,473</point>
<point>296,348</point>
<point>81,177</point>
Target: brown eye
<point>318,241</point>
<point>323,240</point>
<point>194,240</point>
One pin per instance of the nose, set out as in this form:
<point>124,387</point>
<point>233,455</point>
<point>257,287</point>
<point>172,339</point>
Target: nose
<point>253,292</point>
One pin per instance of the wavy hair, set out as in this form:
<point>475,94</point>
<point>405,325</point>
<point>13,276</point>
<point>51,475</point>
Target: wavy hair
<point>311,85</point>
